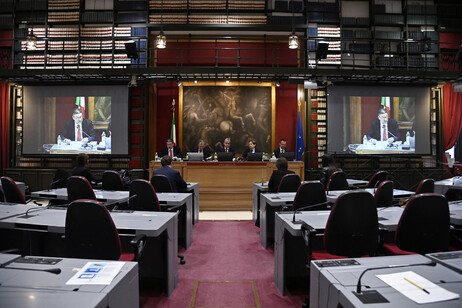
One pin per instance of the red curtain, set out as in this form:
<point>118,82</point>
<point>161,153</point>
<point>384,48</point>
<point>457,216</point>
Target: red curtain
<point>4,120</point>
<point>452,116</point>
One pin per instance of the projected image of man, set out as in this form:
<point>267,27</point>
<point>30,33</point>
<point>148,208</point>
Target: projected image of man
<point>383,128</point>
<point>78,129</point>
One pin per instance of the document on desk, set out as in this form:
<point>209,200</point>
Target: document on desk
<point>417,288</point>
<point>96,273</point>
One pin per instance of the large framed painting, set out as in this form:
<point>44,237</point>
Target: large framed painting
<point>213,111</point>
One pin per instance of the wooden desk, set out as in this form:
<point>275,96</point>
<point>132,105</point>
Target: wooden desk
<point>227,185</point>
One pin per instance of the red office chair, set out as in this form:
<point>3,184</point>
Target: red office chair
<point>424,226</point>
<point>384,194</point>
<point>351,230</point>
<point>161,183</point>
<point>91,234</point>
<point>289,183</point>
<point>11,191</point>
<point>425,186</point>
<point>78,187</point>
<point>310,193</point>
<point>146,200</point>
<point>377,178</point>
<point>112,181</point>
<point>337,181</point>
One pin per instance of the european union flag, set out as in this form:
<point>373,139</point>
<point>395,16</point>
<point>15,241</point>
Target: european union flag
<point>299,145</point>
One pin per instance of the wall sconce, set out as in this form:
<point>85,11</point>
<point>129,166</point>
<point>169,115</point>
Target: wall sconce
<point>178,81</point>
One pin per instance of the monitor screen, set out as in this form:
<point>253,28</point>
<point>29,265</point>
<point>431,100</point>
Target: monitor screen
<point>378,120</point>
<point>66,120</point>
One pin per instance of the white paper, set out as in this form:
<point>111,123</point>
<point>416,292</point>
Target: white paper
<point>415,293</point>
<point>96,273</point>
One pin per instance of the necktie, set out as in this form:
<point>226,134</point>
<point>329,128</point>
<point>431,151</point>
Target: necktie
<point>171,153</point>
<point>226,150</point>
<point>79,133</point>
<point>384,133</point>
<point>282,150</point>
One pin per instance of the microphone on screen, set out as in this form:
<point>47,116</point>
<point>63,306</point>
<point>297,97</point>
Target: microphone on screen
<point>358,286</point>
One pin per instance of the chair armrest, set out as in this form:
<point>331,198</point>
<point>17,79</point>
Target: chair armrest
<point>138,243</point>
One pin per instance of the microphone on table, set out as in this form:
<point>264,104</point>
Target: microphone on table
<point>375,186</point>
<point>358,286</point>
<point>306,208</point>
<point>55,270</point>
<point>114,205</point>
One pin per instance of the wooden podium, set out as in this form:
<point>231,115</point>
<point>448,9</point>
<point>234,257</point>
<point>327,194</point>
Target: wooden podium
<point>227,185</point>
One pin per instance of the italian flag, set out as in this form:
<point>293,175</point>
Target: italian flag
<point>386,103</point>
<point>80,103</point>
<point>173,129</point>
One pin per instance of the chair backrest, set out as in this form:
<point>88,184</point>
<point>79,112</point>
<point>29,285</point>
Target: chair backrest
<point>337,181</point>
<point>112,180</point>
<point>352,227</point>
<point>146,198</point>
<point>424,226</point>
<point>90,232</point>
<point>384,194</point>
<point>309,193</point>
<point>11,191</point>
<point>289,183</point>
<point>425,186</point>
<point>377,178</point>
<point>161,183</point>
<point>60,179</point>
<point>78,187</point>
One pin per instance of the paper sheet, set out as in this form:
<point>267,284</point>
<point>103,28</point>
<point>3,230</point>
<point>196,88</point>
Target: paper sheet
<point>417,288</point>
<point>96,273</point>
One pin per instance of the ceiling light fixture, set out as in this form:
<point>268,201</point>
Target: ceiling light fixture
<point>161,40</point>
<point>293,39</point>
<point>31,41</point>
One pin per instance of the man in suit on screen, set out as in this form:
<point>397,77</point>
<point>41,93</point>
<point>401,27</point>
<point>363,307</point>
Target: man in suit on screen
<point>383,128</point>
<point>78,129</point>
<point>174,176</point>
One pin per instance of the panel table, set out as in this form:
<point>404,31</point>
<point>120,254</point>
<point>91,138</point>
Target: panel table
<point>169,199</point>
<point>227,185</point>
<point>441,187</point>
<point>26,288</point>
<point>159,260</point>
<point>332,282</point>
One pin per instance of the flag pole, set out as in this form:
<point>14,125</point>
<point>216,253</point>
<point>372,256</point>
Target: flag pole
<point>173,129</point>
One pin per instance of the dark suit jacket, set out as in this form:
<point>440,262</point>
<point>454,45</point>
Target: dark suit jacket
<point>247,151</point>
<point>87,127</point>
<point>277,151</point>
<point>375,129</point>
<point>173,176</point>
<point>326,172</point>
<point>205,151</point>
<point>229,150</point>
<point>86,173</point>
<point>176,152</point>
<point>276,178</point>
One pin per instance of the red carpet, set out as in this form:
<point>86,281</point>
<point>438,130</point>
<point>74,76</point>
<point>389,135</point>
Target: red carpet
<point>225,267</point>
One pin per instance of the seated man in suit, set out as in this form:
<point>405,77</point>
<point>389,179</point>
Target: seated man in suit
<point>383,128</point>
<point>174,176</point>
<point>170,150</point>
<point>282,148</point>
<point>277,175</point>
<point>80,169</point>
<point>227,146</point>
<point>78,129</point>
<point>252,148</point>
<point>202,149</point>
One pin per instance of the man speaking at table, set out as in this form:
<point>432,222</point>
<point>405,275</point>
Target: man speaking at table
<point>383,128</point>
<point>78,129</point>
